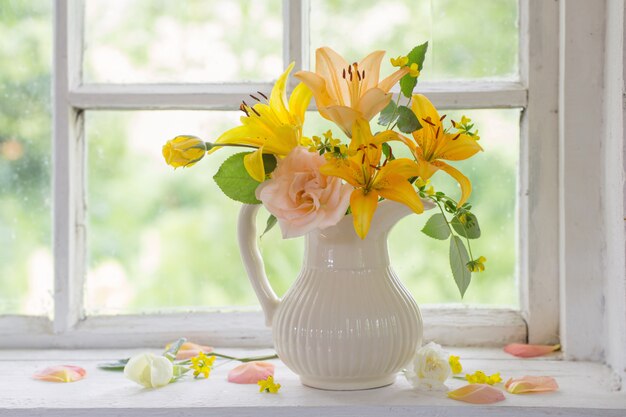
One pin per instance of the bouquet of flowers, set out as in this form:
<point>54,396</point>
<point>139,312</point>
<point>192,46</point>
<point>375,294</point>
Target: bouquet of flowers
<point>309,183</point>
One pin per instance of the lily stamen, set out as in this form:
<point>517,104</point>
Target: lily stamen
<point>263,95</point>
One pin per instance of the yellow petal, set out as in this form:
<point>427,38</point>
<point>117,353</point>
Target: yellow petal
<point>456,147</point>
<point>278,97</point>
<point>299,101</point>
<point>464,182</point>
<point>372,102</point>
<point>253,162</point>
<point>346,169</point>
<point>329,65</point>
<point>404,167</point>
<point>425,168</point>
<point>394,187</point>
<point>343,116</point>
<point>242,135</point>
<point>371,65</point>
<point>363,207</point>
<point>424,109</point>
<point>391,80</point>
<point>318,87</point>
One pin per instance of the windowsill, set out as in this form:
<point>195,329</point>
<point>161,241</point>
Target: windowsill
<point>585,390</point>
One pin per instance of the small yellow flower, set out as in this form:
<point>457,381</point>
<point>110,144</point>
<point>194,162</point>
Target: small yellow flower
<point>420,183</point>
<point>184,151</point>
<point>477,265</point>
<point>414,70</point>
<point>479,377</point>
<point>202,364</point>
<point>400,61</point>
<point>268,385</point>
<point>455,364</point>
<point>494,379</point>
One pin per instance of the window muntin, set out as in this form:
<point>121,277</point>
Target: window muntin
<point>26,275</point>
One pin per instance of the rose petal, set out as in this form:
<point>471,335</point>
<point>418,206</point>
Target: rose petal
<point>61,373</point>
<point>477,394</point>
<point>522,350</point>
<point>251,372</point>
<point>530,384</point>
<point>189,350</point>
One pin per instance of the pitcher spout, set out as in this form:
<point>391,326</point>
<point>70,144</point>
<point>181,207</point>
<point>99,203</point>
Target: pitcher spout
<point>390,212</point>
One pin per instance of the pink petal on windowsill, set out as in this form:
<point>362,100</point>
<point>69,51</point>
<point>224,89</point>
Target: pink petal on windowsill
<point>189,350</point>
<point>61,373</point>
<point>531,384</point>
<point>522,350</point>
<point>251,372</point>
<point>477,394</point>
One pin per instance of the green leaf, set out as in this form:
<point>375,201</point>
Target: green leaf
<point>437,227</point>
<point>271,222</point>
<point>269,163</point>
<point>234,180</point>
<point>407,84</point>
<point>416,56</point>
<point>389,114</point>
<point>171,352</point>
<point>388,152</point>
<point>470,229</point>
<point>458,260</point>
<point>407,121</point>
<point>117,365</point>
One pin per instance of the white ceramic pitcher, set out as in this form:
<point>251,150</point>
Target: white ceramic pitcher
<point>347,323</point>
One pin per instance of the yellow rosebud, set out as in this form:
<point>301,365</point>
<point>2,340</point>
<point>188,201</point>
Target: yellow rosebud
<point>414,70</point>
<point>184,151</point>
<point>400,61</point>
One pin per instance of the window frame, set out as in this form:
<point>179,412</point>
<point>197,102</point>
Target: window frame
<point>538,209</point>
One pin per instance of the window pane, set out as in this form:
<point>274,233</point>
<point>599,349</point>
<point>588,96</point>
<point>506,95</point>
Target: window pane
<point>25,137</point>
<point>467,38</point>
<point>161,239</point>
<point>144,41</point>
<point>421,262</point>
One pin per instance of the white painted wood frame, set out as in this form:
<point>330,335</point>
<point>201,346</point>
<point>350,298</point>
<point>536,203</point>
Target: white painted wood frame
<point>536,92</point>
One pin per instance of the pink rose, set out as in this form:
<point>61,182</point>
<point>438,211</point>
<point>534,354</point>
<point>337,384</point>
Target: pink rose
<point>301,198</point>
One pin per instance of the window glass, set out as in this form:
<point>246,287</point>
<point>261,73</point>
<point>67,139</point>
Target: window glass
<point>468,39</point>
<point>149,41</point>
<point>26,267</point>
<point>161,239</point>
<point>164,239</point>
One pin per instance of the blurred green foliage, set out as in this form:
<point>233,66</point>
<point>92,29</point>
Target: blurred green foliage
<point>25,147</point>
<point>166,240</point>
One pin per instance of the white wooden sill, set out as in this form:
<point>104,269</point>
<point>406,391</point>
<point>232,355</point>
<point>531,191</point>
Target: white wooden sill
<point>586,390</point>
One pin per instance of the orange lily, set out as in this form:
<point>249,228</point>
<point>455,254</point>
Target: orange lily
<point>274,128</point>
<point>363,171</point>
<point>345,93</point>
<point>434,143</point>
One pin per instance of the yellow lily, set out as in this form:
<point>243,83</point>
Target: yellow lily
<point>274,128</point>
<point>363,171</point>
<point>434,144</point>
<point>345,93</point>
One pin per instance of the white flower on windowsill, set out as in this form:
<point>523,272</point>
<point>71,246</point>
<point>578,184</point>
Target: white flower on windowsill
<point>430,368</point>
<point>149,370</point>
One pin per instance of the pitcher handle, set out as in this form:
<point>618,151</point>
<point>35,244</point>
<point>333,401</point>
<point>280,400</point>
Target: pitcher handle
<point>253,262</point>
